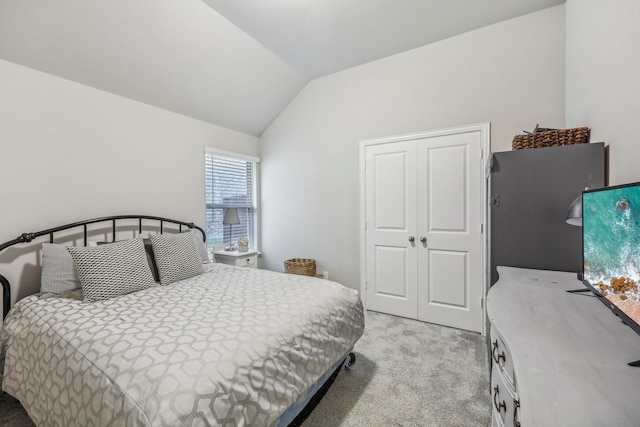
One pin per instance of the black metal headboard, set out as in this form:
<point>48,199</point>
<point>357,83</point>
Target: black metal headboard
<point>28,237</point>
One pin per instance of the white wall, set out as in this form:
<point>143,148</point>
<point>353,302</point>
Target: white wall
<point>603,79</point>
<point>510,74</point>
<point>69,152</point>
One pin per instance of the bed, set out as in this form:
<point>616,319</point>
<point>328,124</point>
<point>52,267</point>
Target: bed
<point>206,344</point>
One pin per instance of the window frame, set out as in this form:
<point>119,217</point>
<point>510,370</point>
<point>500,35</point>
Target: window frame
<point>255,244</point>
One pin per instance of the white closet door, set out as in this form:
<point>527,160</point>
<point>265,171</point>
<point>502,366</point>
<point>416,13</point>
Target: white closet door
<point>391,216</point>
<point>450,188</point>
<point>424,208</point>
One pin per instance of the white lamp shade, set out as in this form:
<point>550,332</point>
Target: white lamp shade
<point>231,216</point>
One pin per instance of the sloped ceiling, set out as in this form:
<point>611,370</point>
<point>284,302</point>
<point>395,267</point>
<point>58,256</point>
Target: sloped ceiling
<point>320,37</point>
<point>181,56</point>
<point>233,63</point>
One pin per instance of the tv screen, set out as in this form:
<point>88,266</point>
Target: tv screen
<point>611,248</point>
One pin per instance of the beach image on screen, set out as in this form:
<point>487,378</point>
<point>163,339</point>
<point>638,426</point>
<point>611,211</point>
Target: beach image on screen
<point>611,243</point>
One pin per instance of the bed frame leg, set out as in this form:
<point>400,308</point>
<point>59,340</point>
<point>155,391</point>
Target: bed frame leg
<point>351,360</point>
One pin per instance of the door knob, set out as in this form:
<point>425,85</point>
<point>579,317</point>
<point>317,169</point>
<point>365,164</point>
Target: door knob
<point>412,239</point>
<point>423,239</point>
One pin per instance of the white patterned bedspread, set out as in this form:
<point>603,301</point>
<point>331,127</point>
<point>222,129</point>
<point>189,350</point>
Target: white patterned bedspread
<point>233,346</point>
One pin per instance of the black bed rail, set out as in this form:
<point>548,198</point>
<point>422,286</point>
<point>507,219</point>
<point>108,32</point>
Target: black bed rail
<point>28,237</point>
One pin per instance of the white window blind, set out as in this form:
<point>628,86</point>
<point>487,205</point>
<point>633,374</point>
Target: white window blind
<point>230,182</point>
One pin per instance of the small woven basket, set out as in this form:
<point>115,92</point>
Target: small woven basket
<point>306,267</point>
<point>551,138</point>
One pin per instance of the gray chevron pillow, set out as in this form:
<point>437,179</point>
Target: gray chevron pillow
<point>109,271</point>
<point>177,256</point>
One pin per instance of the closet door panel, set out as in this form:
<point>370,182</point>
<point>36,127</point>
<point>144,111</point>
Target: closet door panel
<point>448,267</point>
<point>447,181</point>
<point>450,218</point>
<point>390,223</point>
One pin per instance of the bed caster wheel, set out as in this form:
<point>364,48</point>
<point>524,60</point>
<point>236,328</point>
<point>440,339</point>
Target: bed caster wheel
<point>351,360</point>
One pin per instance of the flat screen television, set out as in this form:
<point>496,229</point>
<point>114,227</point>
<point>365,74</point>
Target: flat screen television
<point>611,249</point>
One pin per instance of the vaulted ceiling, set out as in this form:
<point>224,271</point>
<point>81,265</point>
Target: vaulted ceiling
<point>233,63</point>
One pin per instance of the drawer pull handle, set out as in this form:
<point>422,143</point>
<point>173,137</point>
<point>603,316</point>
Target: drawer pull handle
<point>499,356</point>
<point>516,407</point>
<point>499,405</point>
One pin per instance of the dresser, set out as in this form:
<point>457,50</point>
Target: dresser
<point>239,259</point>
<point>558,358</point>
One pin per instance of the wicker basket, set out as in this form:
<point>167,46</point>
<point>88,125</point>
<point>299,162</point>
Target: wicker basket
<point>306,267</point>
<point>551,138</point>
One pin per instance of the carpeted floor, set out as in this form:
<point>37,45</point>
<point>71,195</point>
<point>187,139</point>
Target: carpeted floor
<point>410,373</point>
<point>407,373</point>
<point>11,413</point>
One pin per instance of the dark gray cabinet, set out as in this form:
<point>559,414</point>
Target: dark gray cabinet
<point>531,191</point>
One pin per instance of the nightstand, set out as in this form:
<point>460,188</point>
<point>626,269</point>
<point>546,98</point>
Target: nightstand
<point>239,259</point>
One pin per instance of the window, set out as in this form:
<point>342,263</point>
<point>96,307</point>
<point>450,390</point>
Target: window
<point>231,182</point>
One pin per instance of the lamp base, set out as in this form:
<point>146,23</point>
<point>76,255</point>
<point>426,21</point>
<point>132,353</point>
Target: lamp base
<point>230,249</point>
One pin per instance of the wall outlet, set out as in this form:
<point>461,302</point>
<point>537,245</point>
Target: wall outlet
<point>325,275</point>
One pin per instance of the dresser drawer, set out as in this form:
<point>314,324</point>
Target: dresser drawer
<point>495,420</point>
<point>502,356</point>
<point>504,411</point>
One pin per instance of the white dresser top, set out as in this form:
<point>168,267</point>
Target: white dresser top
<point>570,352</point>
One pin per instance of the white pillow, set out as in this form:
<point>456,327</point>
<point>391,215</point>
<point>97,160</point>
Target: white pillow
<point>112,270</point>
<point>201,245</point>
<point>177,256</point>
<point>58,272</point>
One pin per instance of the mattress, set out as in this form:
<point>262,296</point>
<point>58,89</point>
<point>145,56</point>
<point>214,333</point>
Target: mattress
<point>233,347</point>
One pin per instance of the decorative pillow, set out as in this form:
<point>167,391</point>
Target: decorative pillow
<point>201,245</point>
<point>58,272</point>
<point>151,260</point>
<point>177,256</point>
<point>109,271</point>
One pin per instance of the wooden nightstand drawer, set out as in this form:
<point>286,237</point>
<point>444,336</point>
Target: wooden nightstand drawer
<point>239,259</point>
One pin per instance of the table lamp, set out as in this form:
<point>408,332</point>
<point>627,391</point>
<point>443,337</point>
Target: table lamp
<point>230,218</point>
<point>574,214</point>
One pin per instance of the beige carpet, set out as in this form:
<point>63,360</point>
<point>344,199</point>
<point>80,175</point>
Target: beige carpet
<point>407,373</point>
